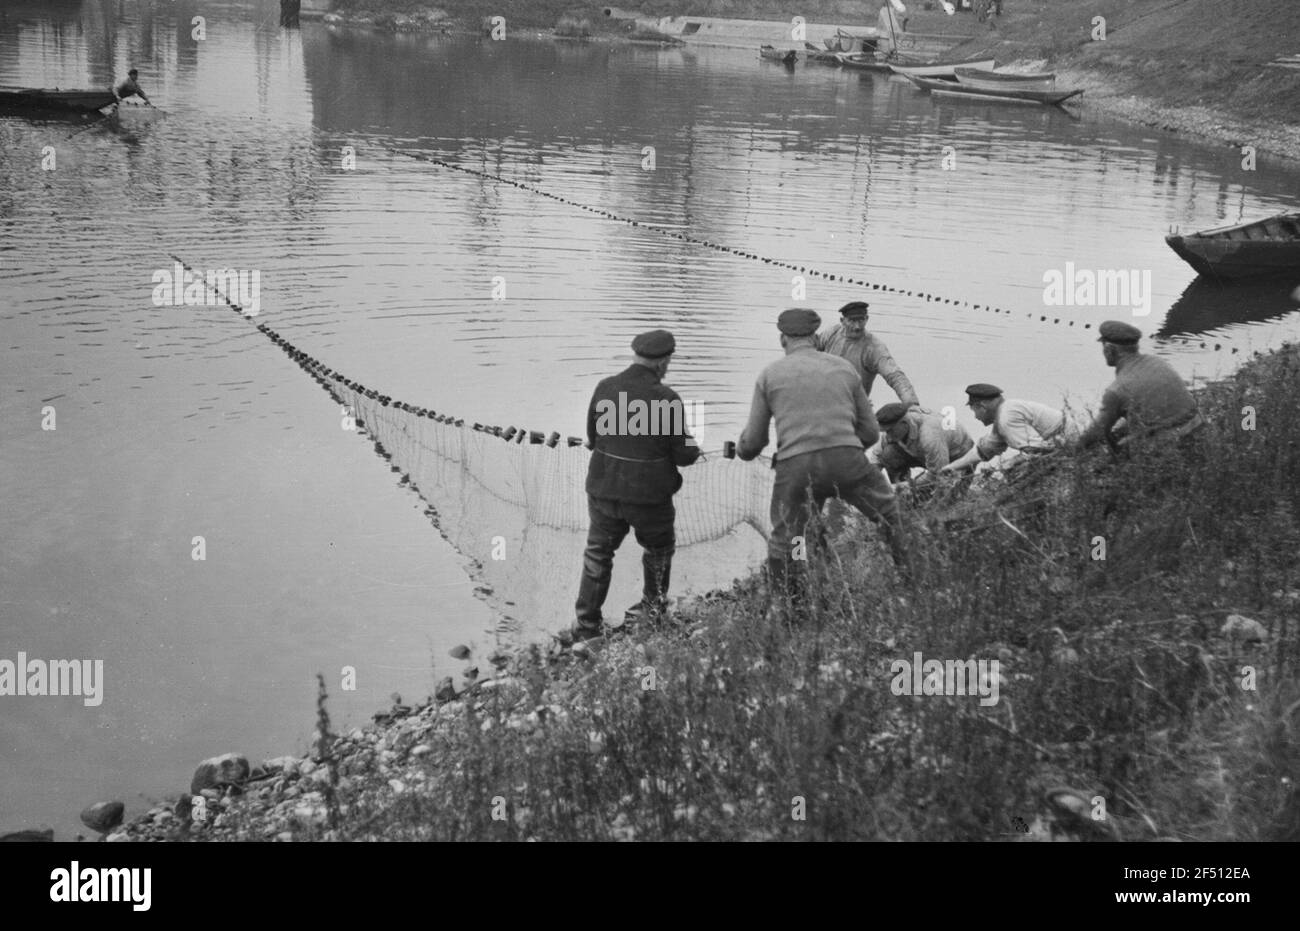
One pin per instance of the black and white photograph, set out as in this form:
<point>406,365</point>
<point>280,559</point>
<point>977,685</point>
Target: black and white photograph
<point>689,421</point>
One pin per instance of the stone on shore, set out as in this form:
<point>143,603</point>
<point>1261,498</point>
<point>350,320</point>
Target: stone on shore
<point>446,691</point>
<point>1243,628</point>
<point>227,769</point>
<point>103,816</point>
<point>29,835</point>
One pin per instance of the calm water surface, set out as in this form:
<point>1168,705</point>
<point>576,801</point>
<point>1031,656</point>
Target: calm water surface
<point>177,422</point>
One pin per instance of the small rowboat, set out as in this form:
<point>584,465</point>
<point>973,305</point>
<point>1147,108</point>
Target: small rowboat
<point>1247,250</point>
<point>826,57</point>
<point>784,56</point>
<point>955,89</point>
<point>1003,80</point>
<point>848,42</point>
<point>33,98</point>
<point>862,61</point>
<point>939,69</point>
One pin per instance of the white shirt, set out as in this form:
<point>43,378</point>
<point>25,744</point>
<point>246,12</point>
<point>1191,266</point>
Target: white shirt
<point>1023,423</point>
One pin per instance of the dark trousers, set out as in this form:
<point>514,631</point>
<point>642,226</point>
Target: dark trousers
<point>610,521</point>
<point>803,483</point>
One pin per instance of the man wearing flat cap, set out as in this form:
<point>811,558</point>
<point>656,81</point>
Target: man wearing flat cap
<point>1024,426</point>
<point>850,340</point>
<point>916,437</point>
<point>1147,393</point>
<point>637,431</point>
<point>824,422</point>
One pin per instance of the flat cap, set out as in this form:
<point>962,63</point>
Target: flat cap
<point>654,345</point>
<point>982,392</point>
<point>1117,331</point>
<point>855,309</point>
<point>798,321</point>
<point>891,414</point>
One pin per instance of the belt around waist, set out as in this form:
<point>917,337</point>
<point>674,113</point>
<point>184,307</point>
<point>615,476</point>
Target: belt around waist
<point>1178,428</point>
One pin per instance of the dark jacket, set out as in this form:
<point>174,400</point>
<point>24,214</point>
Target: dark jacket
<point>638,441</point>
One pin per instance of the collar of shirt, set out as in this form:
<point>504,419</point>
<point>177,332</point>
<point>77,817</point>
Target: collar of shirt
<point>1125,361</point>
<point>637,370</point>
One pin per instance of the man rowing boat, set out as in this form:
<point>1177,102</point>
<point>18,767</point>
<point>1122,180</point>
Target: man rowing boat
<point>131,88</point>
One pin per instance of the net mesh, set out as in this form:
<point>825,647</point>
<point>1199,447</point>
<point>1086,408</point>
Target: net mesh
<point>547,484</point>
<point>513,503</point>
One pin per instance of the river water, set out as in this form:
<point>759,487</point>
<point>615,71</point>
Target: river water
<point>172,423</point>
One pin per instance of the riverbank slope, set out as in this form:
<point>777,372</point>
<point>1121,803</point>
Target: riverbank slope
<point>1132,632</point>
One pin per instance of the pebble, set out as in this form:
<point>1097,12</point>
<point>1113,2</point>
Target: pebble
<point>1243,628</point>
<point>227,769</point>
<point>103,816</point>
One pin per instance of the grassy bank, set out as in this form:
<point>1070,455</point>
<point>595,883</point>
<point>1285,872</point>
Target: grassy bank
<point>1197,67</point>
<point>1118,678</point>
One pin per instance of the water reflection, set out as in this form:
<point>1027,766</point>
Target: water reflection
<point>1208,305</point>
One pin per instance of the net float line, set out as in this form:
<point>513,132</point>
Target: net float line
<point>441,455</point>
<point>929,297</point>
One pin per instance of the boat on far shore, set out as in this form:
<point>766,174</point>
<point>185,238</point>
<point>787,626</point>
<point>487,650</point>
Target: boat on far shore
<point>984,79</point>
<point>1248,250</point>
<point>825,56</point>
<point>784,56</point>
<point>35,98</point>
<point>939,69</point>
<point>1011,95</point>
<point>862,61</point>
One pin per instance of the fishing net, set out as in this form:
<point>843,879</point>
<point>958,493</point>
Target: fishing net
<point>547,483</point>
<point>513,503</point>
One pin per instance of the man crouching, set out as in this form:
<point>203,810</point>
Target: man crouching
<point>824,423</point>
<point>637,431</point>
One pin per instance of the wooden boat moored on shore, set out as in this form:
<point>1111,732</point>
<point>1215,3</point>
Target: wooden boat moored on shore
<point>1247,250</point>
<point>825,56</point>
<point>784,56</point>
<point>862,61</point>
<point>983,79</point>
<point>939,69</point>
<point>1011,95</point>
<point>35,98</point>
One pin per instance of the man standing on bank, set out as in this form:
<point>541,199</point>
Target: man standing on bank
<point>1146,392</point>
<point>637,431</point>
<point>824,422</point>
<point>850,340</point>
